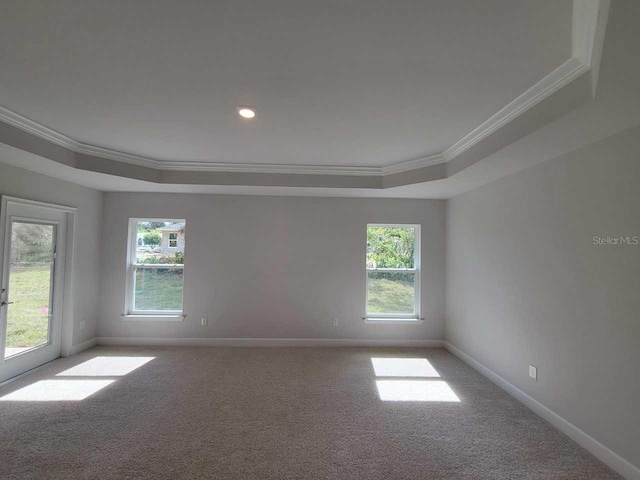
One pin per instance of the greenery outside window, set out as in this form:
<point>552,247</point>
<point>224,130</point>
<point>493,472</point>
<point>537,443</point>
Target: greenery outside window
<point>393,272</point>
<point>155,267</point>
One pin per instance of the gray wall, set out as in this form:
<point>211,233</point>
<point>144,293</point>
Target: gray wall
<point>272,267</point>
<point>20,183</point>
<point>526,285</point>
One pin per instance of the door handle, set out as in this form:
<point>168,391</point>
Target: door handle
<point>3,303</point>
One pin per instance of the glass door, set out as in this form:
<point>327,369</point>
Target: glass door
<point>32,283</point>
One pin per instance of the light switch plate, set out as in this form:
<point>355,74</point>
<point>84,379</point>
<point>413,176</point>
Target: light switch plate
<point>533,372</point>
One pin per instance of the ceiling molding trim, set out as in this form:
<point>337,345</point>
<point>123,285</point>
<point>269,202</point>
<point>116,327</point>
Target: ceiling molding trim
<point>204,166</point>
<point>272,168</point>
<point>598,43</point>
<point>586,22</point>
<point>172,165</point>
<point>560,77</point>
<point>23,123</point>
<point>413,164</point>
<point>118,156</point>
<point>589,22</point>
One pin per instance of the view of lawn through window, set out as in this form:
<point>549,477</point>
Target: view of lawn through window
<point>158,266</point>
<point>391,270</point>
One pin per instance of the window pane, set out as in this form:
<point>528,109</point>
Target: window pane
<point>391,292</point>
<point>160,242</point>
<point>390,247</point>
<point>158,289</point>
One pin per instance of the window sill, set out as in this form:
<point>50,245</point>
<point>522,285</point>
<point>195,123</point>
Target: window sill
<point>392,321</point>
<point>154,318</point>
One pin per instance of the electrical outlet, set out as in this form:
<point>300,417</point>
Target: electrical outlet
<point>336,322</point>
<point>533,372</point>
<point>83,324</point>
<point>205,321</point>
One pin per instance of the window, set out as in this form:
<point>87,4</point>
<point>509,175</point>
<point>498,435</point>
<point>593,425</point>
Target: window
<point>173,240</point>
<point>155,267</point>
<point>393,272</point>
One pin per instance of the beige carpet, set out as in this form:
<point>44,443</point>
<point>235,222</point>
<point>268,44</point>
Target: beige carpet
<point>281,413</point>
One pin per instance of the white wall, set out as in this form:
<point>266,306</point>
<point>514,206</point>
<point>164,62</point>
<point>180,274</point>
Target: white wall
<point>272,267</point>
<point>20,183</point>
<point>526,285</point>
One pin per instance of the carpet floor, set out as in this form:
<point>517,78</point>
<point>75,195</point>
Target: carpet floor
<point>275,413</point>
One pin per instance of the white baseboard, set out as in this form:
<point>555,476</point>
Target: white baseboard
<point>603,453</point>
<point>83,346</point>
<point>267,342</point>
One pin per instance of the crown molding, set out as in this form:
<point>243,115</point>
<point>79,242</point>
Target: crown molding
<point>15,119</point>
<point>597,43</point>
<point>226,167</point>
<point>101,152</point>
<point>272,168</point>
<point>176,165</point>
<point>588,31</point>
<point>589,21</point>
<point>560,77</point>
<point>23,123</point>
<point>413,164</point>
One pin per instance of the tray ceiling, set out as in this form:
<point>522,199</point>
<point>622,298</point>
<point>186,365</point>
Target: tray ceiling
<point>366,93</point>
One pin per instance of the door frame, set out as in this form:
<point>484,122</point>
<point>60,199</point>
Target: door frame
<point>67,310</point>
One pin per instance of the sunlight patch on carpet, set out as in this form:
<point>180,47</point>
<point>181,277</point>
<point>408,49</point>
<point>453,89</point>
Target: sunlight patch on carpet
<point>403,367</point>
<point>415,391</point>
<point>106,367</point>
<point>57,390</point>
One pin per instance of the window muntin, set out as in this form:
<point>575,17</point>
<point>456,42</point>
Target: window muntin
<point>392,269</point>
<point>155,267</point>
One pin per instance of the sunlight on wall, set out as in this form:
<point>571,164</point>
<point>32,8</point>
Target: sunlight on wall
<point>403,367</point>
<point>106,367</point>
<point>56,390</point>
<point>415,391</point>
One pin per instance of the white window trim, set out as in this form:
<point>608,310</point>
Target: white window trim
<point>395,318</point>
<point>392,321</point>
<point>159,318</point>
<point>132,244</point>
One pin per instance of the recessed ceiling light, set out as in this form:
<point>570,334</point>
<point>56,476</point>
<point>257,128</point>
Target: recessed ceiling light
<point>246,112</point>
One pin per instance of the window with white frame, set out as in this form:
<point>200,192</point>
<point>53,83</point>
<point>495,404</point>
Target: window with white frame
<point>155,268</point>
<point>393,272</point>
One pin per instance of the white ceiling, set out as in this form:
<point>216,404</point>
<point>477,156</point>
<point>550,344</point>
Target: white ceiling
<point>344,82</point>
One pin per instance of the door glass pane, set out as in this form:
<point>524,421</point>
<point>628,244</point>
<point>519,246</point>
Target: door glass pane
<point>391,292</point>
<point>30,286</point>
